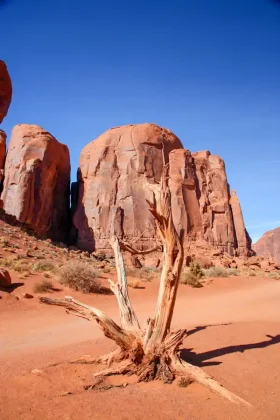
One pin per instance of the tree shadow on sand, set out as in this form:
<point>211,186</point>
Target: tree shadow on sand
<point>201,359</point>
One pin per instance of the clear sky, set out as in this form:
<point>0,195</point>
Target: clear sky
<point>207,69</point>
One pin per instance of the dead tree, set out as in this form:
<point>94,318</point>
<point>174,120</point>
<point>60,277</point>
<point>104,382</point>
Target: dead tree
<point>152,352</point>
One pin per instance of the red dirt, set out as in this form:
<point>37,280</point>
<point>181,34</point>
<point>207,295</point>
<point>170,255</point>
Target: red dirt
<point>230,322</point>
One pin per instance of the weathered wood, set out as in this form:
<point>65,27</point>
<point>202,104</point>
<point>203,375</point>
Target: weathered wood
<point>129,319</point>
<point>173,257</point>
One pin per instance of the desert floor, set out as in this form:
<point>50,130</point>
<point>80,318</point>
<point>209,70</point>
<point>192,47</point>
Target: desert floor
<point>234,327</point>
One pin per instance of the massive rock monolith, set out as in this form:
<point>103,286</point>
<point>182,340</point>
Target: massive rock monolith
<point>113,176</point>
<point>112,189</point>
<point>37,180</point>
<point>268,245</point>
<point>5,90</point>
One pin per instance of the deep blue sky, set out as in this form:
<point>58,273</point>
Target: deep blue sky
<point>207,69</point>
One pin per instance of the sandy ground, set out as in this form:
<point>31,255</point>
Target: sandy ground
<point>234,329</point>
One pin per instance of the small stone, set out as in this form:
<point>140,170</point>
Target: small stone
<point>27,296</point>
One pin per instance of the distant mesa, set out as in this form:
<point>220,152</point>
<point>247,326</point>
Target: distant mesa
<point>5,90</point>
<point>268,245</point>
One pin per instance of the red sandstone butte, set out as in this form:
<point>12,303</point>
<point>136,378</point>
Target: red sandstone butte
<point>2,152</point>
<point>268,245</point>
<point>114,170</point>
<point>213,197</point>
<point>112,190</point>
<point>37,178</point>
<point>5,90</point>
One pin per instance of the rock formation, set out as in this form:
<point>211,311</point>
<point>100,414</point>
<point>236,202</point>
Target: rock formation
<point>37,179</point>
<point>241,235</point>
<point>5,90</point>
<point>113,174</point>
<point>268,245</point>
<point>113,179</point>
<point>2,153</point>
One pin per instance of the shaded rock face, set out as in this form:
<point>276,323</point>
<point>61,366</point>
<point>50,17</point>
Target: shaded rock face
<point>37,179</point>
<point>213,196</point>
<point>269,245</point>
<point>184,201</point>
<point>112,191</point>
<point>5,90</point>
<point>114,170</point>
<point>242,237</point>
<point>2,153</point>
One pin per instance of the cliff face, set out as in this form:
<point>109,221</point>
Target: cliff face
<point>114,170</point>
<point>5,90</point>
<point>269,245</point>
<point>112,191</point>
<point>36,183</point>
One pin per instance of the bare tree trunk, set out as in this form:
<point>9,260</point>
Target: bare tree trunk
<point>152,352</point>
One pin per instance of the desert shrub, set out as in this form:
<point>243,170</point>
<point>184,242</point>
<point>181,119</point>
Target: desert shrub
<point>196,270</point>
<point>44,265</point>
<point>216,272</point>
<point>80,276</point>
<point>148,273</point>
<point>233,272</point>
<point>47,275</point>
<point>4,242</point>
<point>144,273</point>
<point>21,266</point>
<point>43,287</point>
<point>133,283</point>
<point>187,277</point>
<point>252,274</point>
<point>274,275</point>
<point>106,270</point>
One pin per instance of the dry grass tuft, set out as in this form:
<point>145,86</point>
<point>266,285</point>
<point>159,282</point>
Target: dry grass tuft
<point>144,273</point>
<point>216,272</point>
<point>43,287</point>
<point>134,284</point>
<point>187,277</point>
<point>45,265</point>
<point>80,276</point>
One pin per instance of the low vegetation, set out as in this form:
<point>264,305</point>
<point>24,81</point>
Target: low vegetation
<point>80,276</point>
<point>45,265</point>
<point>134,284</point>
<point>187,277</point>
<point>144,273</point>
<point>274,275</point>
<point>43,287</point>
<point>216,272</point>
